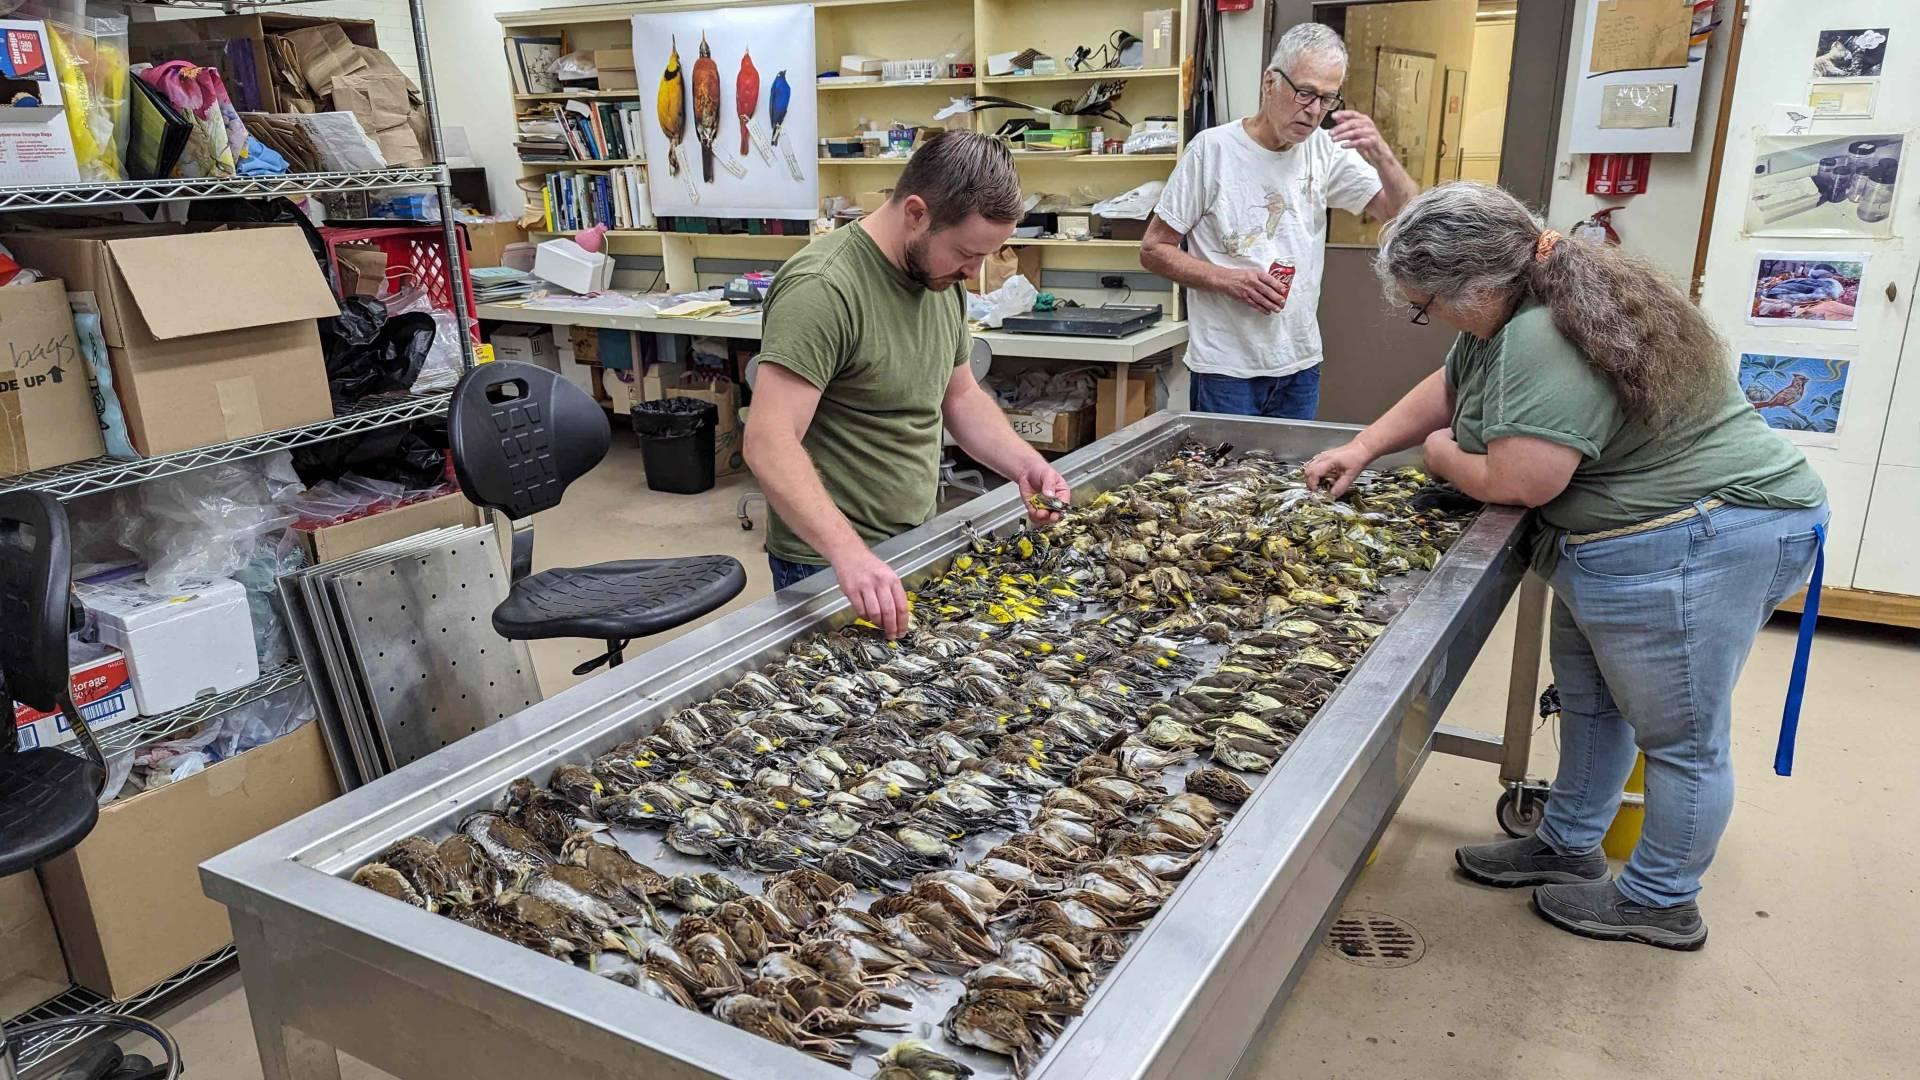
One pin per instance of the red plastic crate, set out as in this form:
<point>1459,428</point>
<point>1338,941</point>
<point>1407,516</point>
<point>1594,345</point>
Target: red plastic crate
<point>421,249</point>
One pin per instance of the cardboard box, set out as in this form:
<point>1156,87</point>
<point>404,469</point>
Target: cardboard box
<point>181,645</point>
<point>1159,46</point>
<point>330,542</point>
<point>1143,388</point>
<point>616,69</point>
<point>102,690</point>
<point>127,901</point>
<point>211,334</point>
<point>46,408</point>
<point>869,201</point>
<point>487,242</point>
<point>1119,228</point>
<point>525,343</point>
<point>585,342</point>
<point>725,397</point>
<point>31,968</point>
<point>36,142</point>
<point>1050,430</point>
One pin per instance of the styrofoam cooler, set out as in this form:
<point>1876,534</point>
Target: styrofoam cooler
<point>180,646</point>
<point>570,266</point>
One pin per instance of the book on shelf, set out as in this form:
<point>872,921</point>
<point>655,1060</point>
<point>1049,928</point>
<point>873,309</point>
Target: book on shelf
<point>575,199</point>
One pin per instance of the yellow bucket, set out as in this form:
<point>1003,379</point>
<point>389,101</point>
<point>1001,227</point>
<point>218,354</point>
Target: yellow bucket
<point>1624,833</point>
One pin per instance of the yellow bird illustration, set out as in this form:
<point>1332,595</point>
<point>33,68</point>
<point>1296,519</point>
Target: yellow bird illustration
<point>672,107</point>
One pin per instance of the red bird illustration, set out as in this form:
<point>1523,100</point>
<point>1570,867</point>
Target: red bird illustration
<point>706,106</point>
<point>746,97</point>
<point>1787,396</point>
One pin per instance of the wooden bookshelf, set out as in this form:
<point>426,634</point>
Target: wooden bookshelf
<point>914,28</point>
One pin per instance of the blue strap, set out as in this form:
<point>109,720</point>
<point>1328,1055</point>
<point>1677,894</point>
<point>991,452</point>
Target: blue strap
<point>1802,651</point>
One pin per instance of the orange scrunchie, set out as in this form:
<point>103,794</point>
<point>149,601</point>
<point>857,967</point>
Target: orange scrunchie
<point>1543,247</point>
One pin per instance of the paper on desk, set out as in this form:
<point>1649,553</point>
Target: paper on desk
<point>1639,35</point>
<point>694,309</point>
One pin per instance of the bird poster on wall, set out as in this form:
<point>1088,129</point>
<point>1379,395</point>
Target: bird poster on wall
<point>1807,288</point>
<point>1802,396</point>
<point>733,130</point>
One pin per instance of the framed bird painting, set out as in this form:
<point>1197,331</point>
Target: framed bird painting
<point>732,129</point>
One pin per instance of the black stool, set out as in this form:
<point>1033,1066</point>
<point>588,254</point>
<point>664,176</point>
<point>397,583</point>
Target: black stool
<point>520,434</point>
<point>48,798</point>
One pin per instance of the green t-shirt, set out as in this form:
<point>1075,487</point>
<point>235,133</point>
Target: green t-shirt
<point>1530,381</point>
<point>881,349</point>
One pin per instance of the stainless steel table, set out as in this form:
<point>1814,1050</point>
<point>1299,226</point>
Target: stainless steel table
<point>330,965</point>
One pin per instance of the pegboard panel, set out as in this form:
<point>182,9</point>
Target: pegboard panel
<point>433,668</point>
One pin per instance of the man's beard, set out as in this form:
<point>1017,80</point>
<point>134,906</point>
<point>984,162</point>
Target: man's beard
<point>917,268</point>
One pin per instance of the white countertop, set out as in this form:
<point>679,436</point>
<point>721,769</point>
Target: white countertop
<point>1155,339</point>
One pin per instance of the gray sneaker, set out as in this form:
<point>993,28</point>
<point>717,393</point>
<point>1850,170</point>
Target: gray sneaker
<point>1509,864</point>
<point>1597,910</point>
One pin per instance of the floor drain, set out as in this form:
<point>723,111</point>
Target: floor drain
<point>1374,939</point>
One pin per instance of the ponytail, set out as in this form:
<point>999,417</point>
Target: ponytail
<point>1661,356</point>
<point>1475,244</point>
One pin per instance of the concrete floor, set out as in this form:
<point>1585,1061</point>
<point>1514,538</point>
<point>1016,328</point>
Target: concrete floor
<point>1809,971</point>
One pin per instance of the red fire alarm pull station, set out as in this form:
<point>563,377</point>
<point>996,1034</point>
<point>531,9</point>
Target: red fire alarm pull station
<point>1618,174</point>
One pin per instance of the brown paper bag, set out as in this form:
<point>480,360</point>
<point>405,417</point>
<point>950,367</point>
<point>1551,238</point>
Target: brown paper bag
<point>381,104</point>
<point>1007,262</point>
<point>362,270</point>
<point>324,54</point>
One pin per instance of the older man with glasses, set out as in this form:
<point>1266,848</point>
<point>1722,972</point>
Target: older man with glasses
<point>1249,202</point>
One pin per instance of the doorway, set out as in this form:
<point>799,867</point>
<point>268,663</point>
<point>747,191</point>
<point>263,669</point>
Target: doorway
<point>1439,78</point>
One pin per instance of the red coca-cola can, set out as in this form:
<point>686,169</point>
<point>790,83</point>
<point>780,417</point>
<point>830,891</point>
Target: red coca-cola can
<point>1282,274</point>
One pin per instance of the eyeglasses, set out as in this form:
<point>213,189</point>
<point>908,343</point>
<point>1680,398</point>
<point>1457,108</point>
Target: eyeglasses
<point>1328,102</point>
<point>1420,316</point>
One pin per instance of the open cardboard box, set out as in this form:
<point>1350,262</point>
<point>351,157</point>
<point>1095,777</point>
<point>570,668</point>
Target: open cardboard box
<point>31,970</point>
<point>212,334</point>
<point>330,542</point>
<point>127,901</point>
<point>46,407</point>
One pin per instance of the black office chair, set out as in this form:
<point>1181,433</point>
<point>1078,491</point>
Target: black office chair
<point>520,434</point>
<point>49,799</point>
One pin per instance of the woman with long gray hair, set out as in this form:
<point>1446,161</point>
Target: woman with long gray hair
<point>1671,521</point>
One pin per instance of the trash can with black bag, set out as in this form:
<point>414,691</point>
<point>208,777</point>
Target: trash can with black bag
<point>676,443</point>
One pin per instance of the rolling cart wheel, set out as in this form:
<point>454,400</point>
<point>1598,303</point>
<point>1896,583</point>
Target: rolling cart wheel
<point>1520,811</point>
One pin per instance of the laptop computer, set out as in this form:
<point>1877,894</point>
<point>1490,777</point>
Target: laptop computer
<point>1113,320</point>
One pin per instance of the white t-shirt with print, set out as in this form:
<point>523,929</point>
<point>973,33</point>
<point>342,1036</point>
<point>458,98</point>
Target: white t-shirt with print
<point>1240,204</point>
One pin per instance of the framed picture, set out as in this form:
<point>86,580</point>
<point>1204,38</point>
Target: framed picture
<point>1806,288</point>
<point>1858,53</point>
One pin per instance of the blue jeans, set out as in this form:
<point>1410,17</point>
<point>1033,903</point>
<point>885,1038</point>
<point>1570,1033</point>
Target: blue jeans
<point>1649,633</point>
<point>1283,397</point>
<point>786,573</point>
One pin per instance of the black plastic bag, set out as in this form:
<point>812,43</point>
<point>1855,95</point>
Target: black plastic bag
<point>368,353</point>
<point>673,418</point>
<point>412,455</point>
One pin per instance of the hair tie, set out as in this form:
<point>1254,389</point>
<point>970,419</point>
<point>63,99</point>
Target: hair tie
<point>1543,247</point>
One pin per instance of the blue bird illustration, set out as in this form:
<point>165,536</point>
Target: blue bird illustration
<point>777,100</point>
<point>1819,284</point>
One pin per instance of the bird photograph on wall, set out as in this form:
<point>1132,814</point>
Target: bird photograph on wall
<point>1818,290</point>
<point>750,65</point>
<point>706,106</point>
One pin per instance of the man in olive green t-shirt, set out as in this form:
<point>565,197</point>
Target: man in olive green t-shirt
<point>864,355</point>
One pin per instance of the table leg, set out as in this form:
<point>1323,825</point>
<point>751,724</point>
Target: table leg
<point>1523,679</point>
<point>1123,373</point>
<point>286,1053</point>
